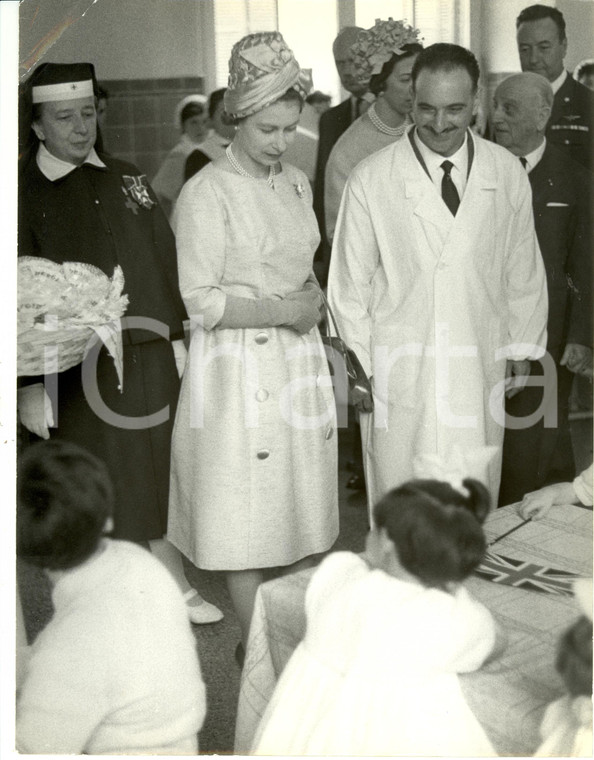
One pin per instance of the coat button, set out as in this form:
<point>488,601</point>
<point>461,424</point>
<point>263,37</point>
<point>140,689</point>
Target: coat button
<point>261,338</point>
<point>262,395</point>
<point>96,201</point>
<point>263,454</point>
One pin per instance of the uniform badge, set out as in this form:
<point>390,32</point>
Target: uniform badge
<point>137,189</point>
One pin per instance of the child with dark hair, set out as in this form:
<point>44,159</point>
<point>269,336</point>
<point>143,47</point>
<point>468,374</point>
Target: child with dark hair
<point>567,724</point>
<point>115,671</point>
<point>387,633</point>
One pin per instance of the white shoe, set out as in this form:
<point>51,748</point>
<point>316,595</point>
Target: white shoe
<point>202,613</point>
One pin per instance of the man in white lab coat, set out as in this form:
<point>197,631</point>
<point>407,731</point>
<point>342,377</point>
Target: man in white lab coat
<point>438,283</point>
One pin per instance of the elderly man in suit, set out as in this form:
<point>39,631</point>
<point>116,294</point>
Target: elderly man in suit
<point>333,123</point>
<point>542,45</point>
<point>538,452</point>
<point>437,282</point>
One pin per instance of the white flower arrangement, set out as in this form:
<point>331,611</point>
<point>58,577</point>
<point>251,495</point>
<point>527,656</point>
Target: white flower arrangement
<point>65,305</point>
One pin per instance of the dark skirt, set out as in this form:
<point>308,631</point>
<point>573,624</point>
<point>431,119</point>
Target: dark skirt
<point>137,459</point>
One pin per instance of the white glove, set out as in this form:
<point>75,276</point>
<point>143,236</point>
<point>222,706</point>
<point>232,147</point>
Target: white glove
<point>180,353</point>
<point>35,409</point>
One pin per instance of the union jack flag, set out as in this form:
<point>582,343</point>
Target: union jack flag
<point>526,575</point>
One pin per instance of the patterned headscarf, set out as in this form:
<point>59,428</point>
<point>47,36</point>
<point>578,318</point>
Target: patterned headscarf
<point>377,45</point>
<point>261,69</point>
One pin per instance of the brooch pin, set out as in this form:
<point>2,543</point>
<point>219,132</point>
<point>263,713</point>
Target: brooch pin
<point>299,189</point>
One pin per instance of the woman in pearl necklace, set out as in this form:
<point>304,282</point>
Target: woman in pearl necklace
<point>383,57</point>
<point>254,463</point>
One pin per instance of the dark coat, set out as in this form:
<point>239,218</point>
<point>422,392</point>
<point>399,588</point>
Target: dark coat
<point>86,216</point>
<point>564,234</point>
<point>333,123</point>
<point>571,125</point>
<point>194,162</point>
<point>562,203</point>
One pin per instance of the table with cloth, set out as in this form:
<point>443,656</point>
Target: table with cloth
<point>509,694</point>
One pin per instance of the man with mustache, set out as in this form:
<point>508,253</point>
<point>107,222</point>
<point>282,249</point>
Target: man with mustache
<point>437,282</point>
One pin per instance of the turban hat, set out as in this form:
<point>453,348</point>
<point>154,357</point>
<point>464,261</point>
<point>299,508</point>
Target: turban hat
<point>261,69</point>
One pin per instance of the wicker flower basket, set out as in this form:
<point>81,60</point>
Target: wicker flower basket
<point>60,308</point>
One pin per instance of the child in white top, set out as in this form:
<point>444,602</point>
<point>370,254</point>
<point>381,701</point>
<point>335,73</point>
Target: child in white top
<point>566,728</point>
<point>116,670</point>
<point>387,633</point>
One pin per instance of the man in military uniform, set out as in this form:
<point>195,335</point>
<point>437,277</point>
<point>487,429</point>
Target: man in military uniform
<point>542,45</point>
<point>540,452</point>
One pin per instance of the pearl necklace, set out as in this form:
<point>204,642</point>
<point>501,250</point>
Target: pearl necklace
<point>382,127</point>
<point>240,170</point>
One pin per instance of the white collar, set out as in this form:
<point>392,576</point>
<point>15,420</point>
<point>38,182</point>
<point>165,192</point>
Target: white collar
<point>433,162</point>
<point>534,156</point>
<point>559,82</point>
<point>54,168</point>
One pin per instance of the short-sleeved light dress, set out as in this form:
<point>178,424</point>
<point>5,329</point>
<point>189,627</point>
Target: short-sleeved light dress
<point>254,452</point>
<point>376,674</point>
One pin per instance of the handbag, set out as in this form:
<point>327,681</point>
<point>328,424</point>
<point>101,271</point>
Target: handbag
<point>350,379</point>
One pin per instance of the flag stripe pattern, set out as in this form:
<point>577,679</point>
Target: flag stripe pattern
<point>525,575</point>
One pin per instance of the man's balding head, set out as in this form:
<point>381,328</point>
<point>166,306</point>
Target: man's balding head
<point>341,49</point>
<point>521,108</point>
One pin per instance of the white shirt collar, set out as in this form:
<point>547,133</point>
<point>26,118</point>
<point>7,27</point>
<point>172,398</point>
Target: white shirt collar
<point>54,168</point>
<point>433,162</point>
<point>558,83</point>
<point>534,156</point>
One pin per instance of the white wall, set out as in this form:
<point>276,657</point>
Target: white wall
<point>498,48</point>
<point>125,39</point>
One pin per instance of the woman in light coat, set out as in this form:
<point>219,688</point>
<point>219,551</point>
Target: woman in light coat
<point>254,468</point>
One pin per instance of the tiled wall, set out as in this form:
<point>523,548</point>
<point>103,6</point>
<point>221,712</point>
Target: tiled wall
<point>139,125</point>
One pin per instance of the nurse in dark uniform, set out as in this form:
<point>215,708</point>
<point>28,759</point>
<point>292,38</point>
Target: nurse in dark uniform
<point>79,205</point>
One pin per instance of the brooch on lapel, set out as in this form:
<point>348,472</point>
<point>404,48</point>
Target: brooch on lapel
<point>136,191</point>
<point>299,189</point>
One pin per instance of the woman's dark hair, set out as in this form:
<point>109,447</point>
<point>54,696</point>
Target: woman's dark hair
<point>214,99</point>
<point>64,497</point>
<point>318,97</point>
<point>574,658</point>
<point>444,56</point>
<point>586,70</point>
<point>377,83</point>
<point>189,110</point>
<point>291,96</point>
<point>436,529</point>
<point>538,12</point>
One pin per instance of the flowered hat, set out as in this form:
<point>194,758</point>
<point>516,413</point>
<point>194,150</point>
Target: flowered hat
<point>377,45</point>
<point>261,69</point>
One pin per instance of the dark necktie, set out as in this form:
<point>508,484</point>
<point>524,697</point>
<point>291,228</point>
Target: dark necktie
<point>523,162</point>
<point>449,192</point>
